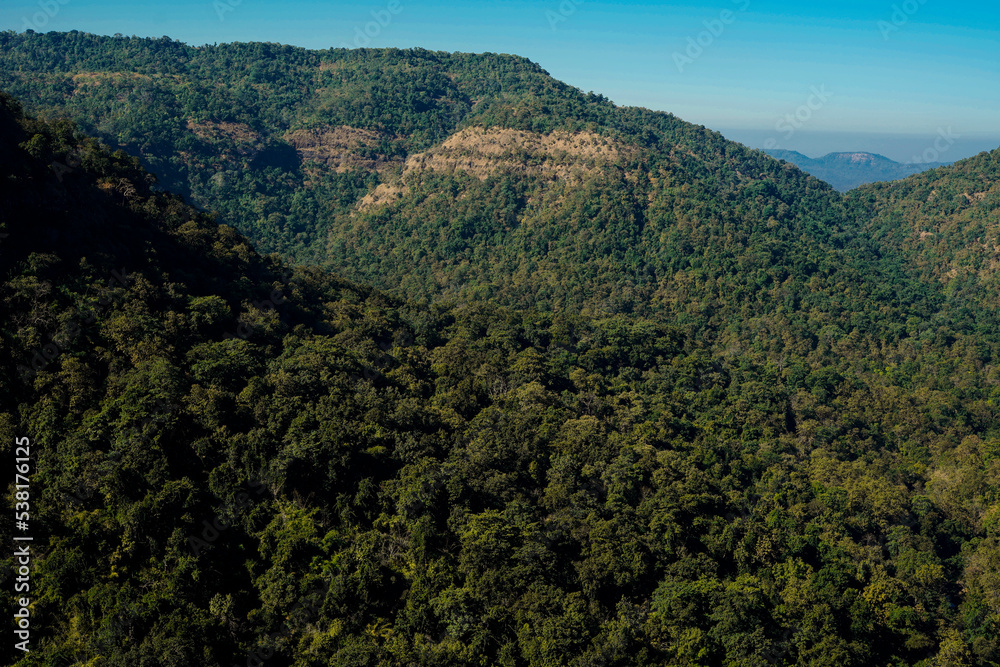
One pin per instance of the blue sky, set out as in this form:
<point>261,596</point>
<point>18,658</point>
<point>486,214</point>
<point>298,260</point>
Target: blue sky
<point>884,76</point>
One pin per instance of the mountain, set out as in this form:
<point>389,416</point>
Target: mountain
<point>495,173</point>
<point>846,171</point>
<point>248,130</point>
<point>946,224</point>
<point>458,176</point>
<point>639,395</point>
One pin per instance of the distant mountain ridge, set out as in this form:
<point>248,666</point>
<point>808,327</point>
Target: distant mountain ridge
<point>846,171</point>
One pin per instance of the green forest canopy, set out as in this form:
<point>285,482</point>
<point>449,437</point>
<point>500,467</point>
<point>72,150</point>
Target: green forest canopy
<point>773,441</point>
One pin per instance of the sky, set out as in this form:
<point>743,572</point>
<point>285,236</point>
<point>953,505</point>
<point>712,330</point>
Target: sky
<point>915,80</point>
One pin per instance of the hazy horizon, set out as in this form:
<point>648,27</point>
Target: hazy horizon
<point>903,148</point>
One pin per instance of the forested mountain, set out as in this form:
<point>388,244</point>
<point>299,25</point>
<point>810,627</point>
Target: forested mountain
<point>243,129</point>
<point>638,396</point>
<point>846,171</point>
<point>458,176</point>
<point>443,174</point>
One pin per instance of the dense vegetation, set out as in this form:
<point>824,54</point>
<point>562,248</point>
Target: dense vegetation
<point>681,405</point>
<point>946,223</point>
<point>213,122</point>
<point>221,124</point>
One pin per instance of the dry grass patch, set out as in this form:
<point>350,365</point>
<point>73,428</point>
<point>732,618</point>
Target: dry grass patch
<point>569,156</point>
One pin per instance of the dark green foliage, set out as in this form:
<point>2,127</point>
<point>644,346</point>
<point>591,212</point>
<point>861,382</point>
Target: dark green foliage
<point>694,415</point>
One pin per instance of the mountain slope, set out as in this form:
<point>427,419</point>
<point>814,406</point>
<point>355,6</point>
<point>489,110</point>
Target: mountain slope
<point>237,463</point>
<point>946,224</point>
<point>301,150</point>
<point>846,171</point>
<point>455,176</point>
<point>236,127</point>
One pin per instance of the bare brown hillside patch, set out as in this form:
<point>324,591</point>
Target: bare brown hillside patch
<point>338,148</point>
<point>481,152</point>
<point>975,196</point>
